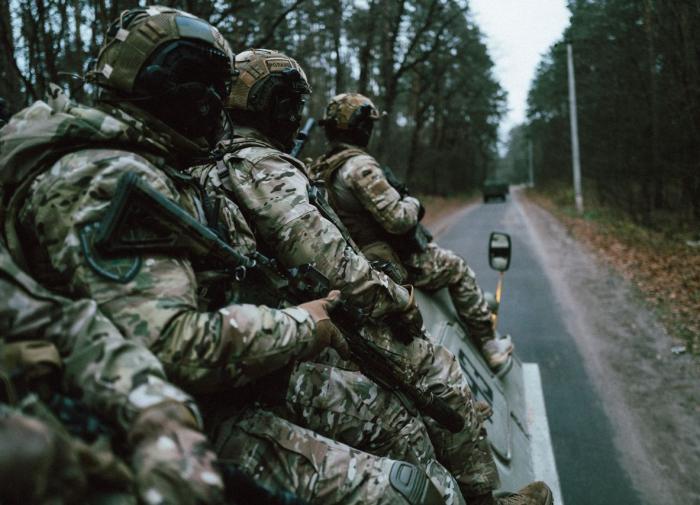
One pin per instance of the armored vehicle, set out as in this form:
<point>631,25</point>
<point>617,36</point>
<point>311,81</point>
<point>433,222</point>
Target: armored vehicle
<point>518,431</point>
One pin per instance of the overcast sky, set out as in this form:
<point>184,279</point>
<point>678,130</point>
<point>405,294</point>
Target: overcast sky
<point>517,33</point>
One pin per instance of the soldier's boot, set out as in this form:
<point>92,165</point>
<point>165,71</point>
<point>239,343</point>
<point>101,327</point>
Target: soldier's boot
<point>497,351</point>
<point>537,493</point>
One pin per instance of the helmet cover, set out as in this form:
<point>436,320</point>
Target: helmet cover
<point>133,39</point>
<point>256,69</point>
<point>348,110</point>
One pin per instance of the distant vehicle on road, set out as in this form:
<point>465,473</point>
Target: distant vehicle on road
<point>495,188</point>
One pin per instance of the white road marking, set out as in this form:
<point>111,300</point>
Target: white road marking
<point>543,463</point>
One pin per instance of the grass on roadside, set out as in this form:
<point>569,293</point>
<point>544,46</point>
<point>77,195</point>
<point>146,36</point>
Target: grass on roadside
<point>661,265</point>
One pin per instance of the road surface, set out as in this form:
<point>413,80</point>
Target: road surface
<point>600,446</point>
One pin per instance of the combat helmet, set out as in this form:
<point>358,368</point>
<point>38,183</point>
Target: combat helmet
<point>350,117</point>
<point>168,62</point>
<point>269,93</point>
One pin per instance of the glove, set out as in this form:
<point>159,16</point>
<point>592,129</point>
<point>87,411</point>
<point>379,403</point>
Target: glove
<point>172,458</point>
<point>407,324</point>
<point>327,334</point>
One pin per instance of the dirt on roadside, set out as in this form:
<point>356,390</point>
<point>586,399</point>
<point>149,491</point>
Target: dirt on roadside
<point>442,211</point>
<point>665,270</point>
<point>650,394</point>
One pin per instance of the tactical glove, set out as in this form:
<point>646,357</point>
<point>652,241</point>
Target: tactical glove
<point>326,332</point>
<point>172,459</point>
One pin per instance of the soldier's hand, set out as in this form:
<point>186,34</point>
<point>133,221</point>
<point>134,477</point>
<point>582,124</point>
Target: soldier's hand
<point>172,458</point>
<point>407,324</point>
<point>327,334</point>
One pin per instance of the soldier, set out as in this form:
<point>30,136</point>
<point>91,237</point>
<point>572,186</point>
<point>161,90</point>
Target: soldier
<point>161,74</point>
<point>266,103</point>
<point>385,224</point>
<point>55,347</point>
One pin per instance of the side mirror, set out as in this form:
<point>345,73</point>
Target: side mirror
<point>499,251</point>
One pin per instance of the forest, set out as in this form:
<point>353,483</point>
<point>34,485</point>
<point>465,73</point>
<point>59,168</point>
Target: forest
<point>423,62</point>
<point>637,72</point>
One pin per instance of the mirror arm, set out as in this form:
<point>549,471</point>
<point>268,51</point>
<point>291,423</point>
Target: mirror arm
<point>499,291</point>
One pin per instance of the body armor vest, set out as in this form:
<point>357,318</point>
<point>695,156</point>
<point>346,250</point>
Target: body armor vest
<point>361,225</point>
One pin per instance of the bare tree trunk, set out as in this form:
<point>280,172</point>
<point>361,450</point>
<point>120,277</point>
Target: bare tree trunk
<point>656,172</point>
<point>337,36</point>
<point>365,55</point>
<point>12,77</point>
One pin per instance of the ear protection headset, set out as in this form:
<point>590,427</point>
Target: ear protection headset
<point>182,81</point>
<point>278,102</point>
<point>184,84</point>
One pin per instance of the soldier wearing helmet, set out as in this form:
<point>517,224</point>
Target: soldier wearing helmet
<point>384,222</point>
<point>162,77</point>
<point>269,94</point>
<point>290,224</point>
<point>265,103</point>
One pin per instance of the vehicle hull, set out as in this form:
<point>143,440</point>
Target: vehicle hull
<point>518,414</point>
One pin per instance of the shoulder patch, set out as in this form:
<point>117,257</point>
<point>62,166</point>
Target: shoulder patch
<point>121,270</point>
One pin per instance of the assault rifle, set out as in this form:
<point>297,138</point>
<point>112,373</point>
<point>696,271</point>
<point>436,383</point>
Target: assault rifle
<point>140,219</point>
<point>416,239</point>
<point>302,137</point>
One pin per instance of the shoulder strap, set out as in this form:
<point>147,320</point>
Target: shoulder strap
<point>326,168</point>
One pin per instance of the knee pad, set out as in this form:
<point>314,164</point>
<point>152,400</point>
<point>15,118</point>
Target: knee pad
<point>413,484</point>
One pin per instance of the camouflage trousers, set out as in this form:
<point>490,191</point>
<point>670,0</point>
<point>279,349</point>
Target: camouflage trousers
<point>331,402</point>
<point>282,456</point>
<point>437,268</point>
<point>332,398</point>
<point>465,454</point>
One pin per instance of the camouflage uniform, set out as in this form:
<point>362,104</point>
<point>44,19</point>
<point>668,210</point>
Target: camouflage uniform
<point>206,352</point>
<point>115,378</point>
<point>40,462</point>
<point>272,190</point>
<point>158,307</point>
<point>372,209</point>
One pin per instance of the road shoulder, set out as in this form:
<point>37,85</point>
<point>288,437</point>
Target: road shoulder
<point>650,395</point>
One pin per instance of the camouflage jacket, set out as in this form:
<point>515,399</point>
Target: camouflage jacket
<point>361,195</point>
<point>156,303</point>
<point>273,192</point>
<point>115,378</point>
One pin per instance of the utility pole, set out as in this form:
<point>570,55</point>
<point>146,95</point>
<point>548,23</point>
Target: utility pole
<point>576,155</point>
<point>530,163</point>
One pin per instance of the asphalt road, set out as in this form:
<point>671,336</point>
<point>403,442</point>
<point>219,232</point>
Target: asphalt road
<point>590,468</point>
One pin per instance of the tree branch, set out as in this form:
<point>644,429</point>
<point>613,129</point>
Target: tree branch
<point>262,42</point>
